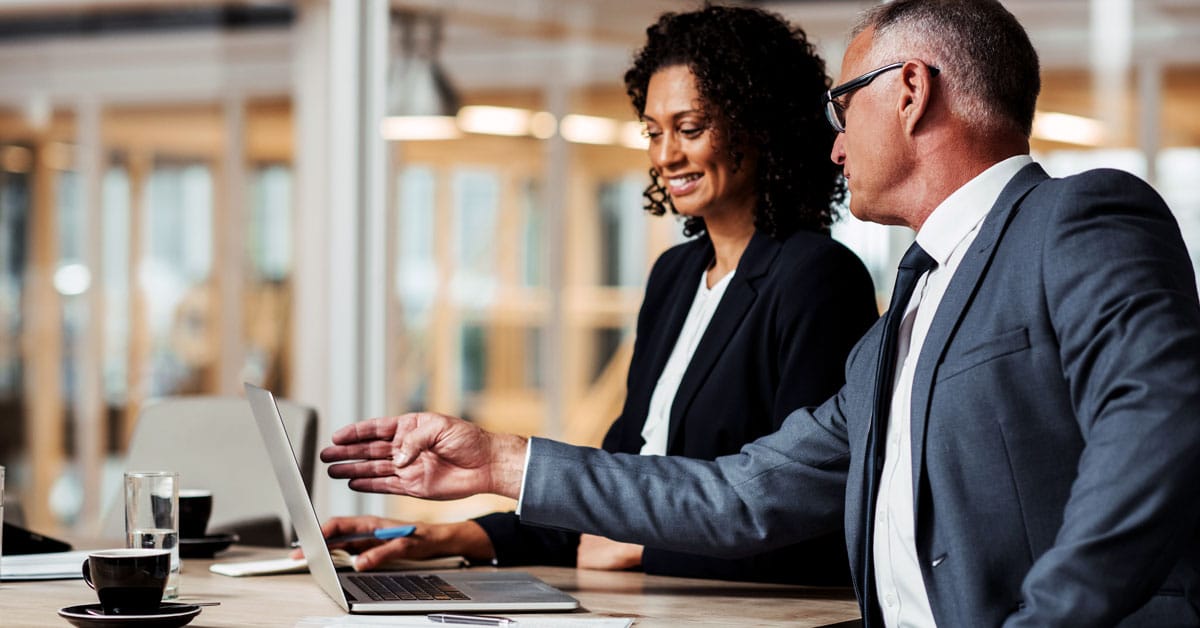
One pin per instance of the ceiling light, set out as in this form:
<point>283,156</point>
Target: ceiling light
<point>421,103</point>
<point>1064,127</point>
<point>588,129</point>
<point>418,128</point>
<point>633,135</point>
<point>494,120</point>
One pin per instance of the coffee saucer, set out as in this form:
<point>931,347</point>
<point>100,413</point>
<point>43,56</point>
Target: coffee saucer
<point>205,546</point>
<point>168,615</point>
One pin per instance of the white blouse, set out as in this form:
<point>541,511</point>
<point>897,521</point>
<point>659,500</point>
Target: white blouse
<point>658,418</point>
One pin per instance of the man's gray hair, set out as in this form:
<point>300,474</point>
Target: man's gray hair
<point>988,65</point>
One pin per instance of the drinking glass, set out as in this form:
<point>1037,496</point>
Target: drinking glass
<point>1,510</point>
<point>152,517</point>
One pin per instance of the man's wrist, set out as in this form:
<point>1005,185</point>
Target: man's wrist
<point>508,464</point>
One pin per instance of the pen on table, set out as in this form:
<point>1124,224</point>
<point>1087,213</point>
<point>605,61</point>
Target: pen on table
<point>382,534</point>
<point>472,620</point>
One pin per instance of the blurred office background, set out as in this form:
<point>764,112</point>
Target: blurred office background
<point>197,194</point>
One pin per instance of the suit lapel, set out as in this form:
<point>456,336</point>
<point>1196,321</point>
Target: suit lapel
<point>738,298</point>
<point>679,301</point>
<point>954,303</point>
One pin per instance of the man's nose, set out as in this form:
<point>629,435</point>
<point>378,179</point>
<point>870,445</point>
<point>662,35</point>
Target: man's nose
<point>838,153</point>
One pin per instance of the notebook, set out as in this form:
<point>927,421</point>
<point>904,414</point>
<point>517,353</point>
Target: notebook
<point>390,592</point>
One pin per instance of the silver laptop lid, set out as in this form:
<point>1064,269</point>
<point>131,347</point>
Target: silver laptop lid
<point>287,471</point>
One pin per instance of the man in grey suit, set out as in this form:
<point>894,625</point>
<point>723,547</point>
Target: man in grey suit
<point>1017,443</point>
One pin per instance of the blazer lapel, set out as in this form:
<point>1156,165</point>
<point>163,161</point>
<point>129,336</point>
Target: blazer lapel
<point>664,334</point>
<point>954,303</point>
<point>739,296</point>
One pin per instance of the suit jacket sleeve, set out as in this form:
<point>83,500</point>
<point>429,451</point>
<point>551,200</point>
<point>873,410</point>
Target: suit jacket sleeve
<point>1121,296</point>
<point>780,489</point>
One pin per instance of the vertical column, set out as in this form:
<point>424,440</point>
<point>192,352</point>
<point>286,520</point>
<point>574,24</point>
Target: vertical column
<point>310,103</point>
<point>340,275</point>
<point>42,346</point>
<point>554,203</point>
<point>311,200</point>
<point>1149,92</point>
<point>1111,49</point>
<point>140,165</point>
<point>377,341</point>
<point>89,406</point>
<point>229,233</point>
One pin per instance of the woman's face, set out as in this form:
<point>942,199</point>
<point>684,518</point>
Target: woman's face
<point>697,172</point>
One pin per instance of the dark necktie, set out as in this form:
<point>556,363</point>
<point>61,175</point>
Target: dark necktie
<point>914,264</point>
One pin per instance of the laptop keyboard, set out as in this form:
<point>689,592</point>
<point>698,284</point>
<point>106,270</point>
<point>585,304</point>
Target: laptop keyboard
<point>391,588</point>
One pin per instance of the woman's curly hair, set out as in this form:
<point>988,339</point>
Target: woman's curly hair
<point>762,84</point>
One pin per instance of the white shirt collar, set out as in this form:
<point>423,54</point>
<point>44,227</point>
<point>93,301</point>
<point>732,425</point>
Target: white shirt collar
<point>965,209</point>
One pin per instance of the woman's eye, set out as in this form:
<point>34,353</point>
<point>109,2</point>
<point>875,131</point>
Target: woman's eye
<point>651,134</point>
<point>692,131</point>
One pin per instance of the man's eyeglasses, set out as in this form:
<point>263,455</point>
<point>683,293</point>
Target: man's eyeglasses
<point>835,109</point>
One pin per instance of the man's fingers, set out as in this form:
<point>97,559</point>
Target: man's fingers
<point>374,450</point>
<point>362,469</point>
<point>394,485</point>
<point>368,430</point>
<point>418,433</point>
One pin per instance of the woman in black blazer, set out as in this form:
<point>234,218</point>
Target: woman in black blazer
<point>751,319</point>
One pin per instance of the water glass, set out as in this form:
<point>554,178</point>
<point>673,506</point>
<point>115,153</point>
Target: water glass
<point>152,517</point>
<point>1,509</point>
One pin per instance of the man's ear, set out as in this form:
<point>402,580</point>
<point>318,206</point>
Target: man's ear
<point>916,94</point>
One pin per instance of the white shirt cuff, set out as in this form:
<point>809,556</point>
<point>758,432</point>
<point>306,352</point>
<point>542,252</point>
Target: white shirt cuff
<point>524,474</point>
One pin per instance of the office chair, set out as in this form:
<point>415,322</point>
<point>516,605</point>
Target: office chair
<point>213,443</point>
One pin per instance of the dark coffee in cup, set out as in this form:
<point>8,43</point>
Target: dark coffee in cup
<point>128,581</point>
<point>195,507</point>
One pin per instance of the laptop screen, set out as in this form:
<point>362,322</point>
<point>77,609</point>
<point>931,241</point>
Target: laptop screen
<point>287,471</point>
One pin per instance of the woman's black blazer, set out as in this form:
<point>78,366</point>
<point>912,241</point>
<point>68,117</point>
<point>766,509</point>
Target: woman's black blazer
<point>777,341</point>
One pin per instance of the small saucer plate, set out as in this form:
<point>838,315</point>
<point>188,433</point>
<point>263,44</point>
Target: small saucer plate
<point>206,546</point>
<point>167,616</point>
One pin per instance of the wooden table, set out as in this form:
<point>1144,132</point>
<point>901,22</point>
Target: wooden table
<point>654,601</point>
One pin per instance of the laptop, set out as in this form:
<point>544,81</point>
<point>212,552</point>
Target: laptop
<point>390,592</point>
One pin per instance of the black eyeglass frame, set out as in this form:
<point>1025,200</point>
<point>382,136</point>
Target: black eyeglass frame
<point>834,110</point>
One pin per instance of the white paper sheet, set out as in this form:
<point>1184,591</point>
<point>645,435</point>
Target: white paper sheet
<point>52,566</point>
<point>419,621</point>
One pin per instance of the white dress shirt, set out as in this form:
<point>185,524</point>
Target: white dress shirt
<point>658,418</point>
<point>946,236</point>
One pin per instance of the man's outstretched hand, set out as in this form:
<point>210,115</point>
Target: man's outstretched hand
<point>426,455</point>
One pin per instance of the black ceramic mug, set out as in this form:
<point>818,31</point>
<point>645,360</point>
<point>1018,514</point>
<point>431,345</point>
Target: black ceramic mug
<point>195,507</point>
<point>128,581</point>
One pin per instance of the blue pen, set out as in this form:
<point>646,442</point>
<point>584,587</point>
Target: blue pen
<point>382,534</point>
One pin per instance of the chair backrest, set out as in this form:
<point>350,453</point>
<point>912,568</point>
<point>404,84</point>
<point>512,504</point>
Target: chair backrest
<point>213,443</point>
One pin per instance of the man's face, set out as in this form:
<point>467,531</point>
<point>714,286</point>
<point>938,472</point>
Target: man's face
<point>871,149</point>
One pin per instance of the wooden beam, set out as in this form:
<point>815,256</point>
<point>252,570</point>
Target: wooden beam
<point>42,347</point>
<point>139,166</point>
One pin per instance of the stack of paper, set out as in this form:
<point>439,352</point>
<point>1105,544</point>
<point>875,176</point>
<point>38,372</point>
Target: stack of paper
<point>393,621</point>
<point>52,566</point>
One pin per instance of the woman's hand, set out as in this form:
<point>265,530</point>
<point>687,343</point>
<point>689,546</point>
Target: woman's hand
<point>597,552</point>
<point>429,540</point>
